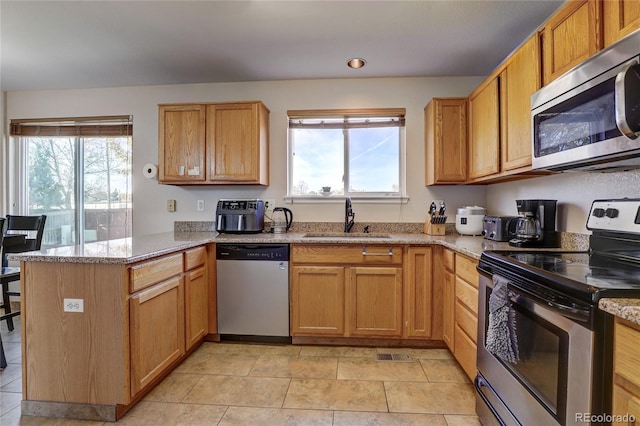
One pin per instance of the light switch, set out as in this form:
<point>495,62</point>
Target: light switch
<point>171,205</point>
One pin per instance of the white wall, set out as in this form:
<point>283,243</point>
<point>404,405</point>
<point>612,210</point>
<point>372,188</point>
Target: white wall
<point>149,199</point>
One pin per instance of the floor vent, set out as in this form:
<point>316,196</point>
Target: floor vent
<point>393,357</point>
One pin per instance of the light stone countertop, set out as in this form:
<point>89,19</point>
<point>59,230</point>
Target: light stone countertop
<point>628,309</point>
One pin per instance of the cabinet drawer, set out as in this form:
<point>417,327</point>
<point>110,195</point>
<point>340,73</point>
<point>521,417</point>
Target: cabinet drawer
<point>627,356</point>
<point>364,254</point>
<point>465,353</point>
<point>467,295</point>
<point>466,269</point>
<point>467,321</point>
<point>148,273</point>
<point>195,257</point>
<point>449,260</point>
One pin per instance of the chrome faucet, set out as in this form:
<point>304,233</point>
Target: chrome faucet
<point>349,215</point>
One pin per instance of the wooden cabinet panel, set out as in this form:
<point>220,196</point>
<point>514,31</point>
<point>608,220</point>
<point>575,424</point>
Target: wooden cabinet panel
<point>421,311</point>
<point>375,301</point>
<point>196,301</point>
<point>620,18</point>
<point>484,133</point>
<point>467,295</point>
<point>626,407</point>
<point>195,257</point>
<point>626,344</point>
<point>465,353</point>
<point>466,269</point>
<point>518,81</point>
<point>148,273</point>
<point>236,143</point>
<point>317,300</point>
<point>347,254</point>
<point>181,133</point>
<point>446,141</point>
<point>157,331</point>
<point>448,314</point>
<point>449,259</point>
<point>467,320</point>
<point>570,36</point>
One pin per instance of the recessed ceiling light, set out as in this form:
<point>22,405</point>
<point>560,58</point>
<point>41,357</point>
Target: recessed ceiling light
<point>356,63</point>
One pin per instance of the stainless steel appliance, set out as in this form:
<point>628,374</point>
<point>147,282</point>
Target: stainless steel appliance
<point>544,347</point>
<point>536,226</point>
<point>499,228</point>
<point>282,219</point>
<point>253,291</point>
<point>589,118</point>
<point>240,216</point>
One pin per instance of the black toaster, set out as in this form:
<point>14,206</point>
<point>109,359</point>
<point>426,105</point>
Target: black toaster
<point>499,228</point>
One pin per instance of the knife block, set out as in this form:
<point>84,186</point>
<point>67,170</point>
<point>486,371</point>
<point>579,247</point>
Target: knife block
<point>434,228</point>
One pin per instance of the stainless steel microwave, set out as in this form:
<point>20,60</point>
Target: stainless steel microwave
<point>589,118</point>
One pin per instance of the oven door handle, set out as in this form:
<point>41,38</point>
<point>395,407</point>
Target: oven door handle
<point>621,92</point>
<point>571,312</point>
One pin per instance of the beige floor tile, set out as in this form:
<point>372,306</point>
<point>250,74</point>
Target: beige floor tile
<point>242,391</point>
<point>339,351</point>
<point>229,364</point>
<point>453,420</point>
<point>444,370</point>
<point>419,353</point>
<point>249,349</point>
<point>173,388</point>
<point>436,398</point>
<point>13,418</point>
<point>271,416</point>
<point>356,418</point>
<point>296,367</point>
<point>351,395</point>
<point>166,414</point>
<point>370,369</point>
<point>10,373</point>
<point>12,352</point>
<point>9,401</point>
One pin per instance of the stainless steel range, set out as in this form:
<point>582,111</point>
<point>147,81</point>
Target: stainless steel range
<point>544,347</point>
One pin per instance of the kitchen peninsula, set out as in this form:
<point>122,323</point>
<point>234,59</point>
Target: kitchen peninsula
<point>103,323</point>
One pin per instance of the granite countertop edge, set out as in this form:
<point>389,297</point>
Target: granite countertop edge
<point>627,309</point>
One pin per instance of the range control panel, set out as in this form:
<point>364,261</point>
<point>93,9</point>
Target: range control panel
<point>622,215</point>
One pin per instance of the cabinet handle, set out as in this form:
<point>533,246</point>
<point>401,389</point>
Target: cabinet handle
<point>364,252</point>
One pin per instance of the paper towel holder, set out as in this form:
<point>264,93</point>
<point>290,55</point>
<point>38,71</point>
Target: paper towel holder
<point>150,171</point>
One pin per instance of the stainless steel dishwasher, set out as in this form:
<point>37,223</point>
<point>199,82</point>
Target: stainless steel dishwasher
<point>253,291</point>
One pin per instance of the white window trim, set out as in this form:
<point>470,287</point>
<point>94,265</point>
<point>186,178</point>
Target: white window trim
<point>368,198</point>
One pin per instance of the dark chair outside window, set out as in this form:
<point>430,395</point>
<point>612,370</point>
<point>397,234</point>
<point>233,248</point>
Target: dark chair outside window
<point>22,234</point>
<point>3,360</point>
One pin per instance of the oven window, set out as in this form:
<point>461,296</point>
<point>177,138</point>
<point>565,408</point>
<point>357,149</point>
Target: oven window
<point>542,358</point>
<point>584,119</point>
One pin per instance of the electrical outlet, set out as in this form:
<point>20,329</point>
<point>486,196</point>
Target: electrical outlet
<point>269,204</point>
<point>200,205</point>
<point>171,205</point>
<point>73,305</point>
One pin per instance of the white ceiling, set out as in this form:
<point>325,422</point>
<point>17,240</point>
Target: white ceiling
<point>82,44</point>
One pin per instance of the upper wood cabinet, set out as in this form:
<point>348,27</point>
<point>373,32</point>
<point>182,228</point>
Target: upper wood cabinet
<point>570,36</point>
<point>518,81</point>
<point>445,141</point>
<point>620,18</point>
<point>484,130</point>
<point>217,143</point>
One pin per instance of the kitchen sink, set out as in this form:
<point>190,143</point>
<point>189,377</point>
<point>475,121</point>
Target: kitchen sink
<point>345,235</point>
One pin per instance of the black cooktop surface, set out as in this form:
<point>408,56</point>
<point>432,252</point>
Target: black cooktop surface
<point>581,274</point>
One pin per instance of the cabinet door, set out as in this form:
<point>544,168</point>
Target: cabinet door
<point>181,135</point>
<point>484,138</point>
<point>621,18</point>
<point>317,300</point>
<point>570,36</point>
<point>449,301</point>
<point>519,80</point>
<point>236,143</point>
<point>375,301</point>
<point>196,299</point>
<point>420,312</point>
<point>446,141</point>
<point>157,331</point>
<point>626,407</point>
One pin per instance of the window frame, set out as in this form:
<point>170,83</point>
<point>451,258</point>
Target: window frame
<point>399,197</point>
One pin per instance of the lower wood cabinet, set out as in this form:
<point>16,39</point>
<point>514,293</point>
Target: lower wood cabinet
<point>196,300</point>
<point>466,314</point>
<point>157,331</point>
<point>626,379</point>
<point>447,271</point>
<point>423,316</point>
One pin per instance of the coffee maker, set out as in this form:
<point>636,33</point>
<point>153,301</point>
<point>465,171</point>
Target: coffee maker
<point>536,226</point>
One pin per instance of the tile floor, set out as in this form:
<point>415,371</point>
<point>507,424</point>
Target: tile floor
<point>244,384</point>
